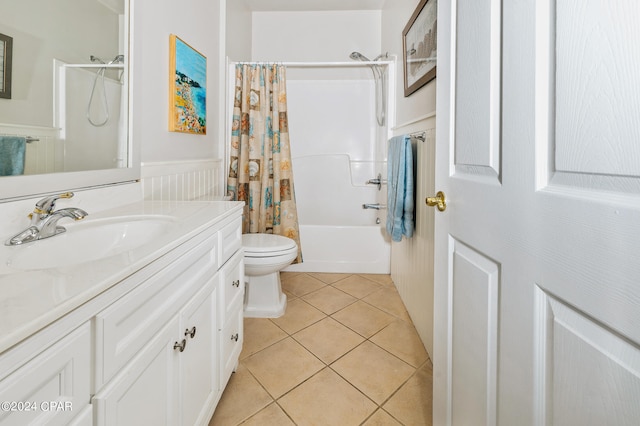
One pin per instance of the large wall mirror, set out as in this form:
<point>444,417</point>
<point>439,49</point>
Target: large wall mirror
<point>70,73</point>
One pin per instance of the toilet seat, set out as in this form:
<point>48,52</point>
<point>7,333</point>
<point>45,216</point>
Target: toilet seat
<point>267,245</point>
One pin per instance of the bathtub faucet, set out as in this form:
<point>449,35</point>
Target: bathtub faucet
<point>377,181</point>
<point>376,206</point>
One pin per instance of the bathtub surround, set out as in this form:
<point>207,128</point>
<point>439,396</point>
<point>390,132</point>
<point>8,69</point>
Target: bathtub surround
<point>260,166</point>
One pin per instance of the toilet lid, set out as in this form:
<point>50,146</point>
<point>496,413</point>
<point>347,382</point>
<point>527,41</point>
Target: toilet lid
<point>266,244</point>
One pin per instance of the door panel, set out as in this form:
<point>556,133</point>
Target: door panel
<point>588,374</point>
<point>475,308</point>
<point>477,99</point>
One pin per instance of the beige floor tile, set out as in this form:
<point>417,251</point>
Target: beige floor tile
<point>329,278</point>
<point>242,398</point>
<point>374,371</point>
<point>284,275</point>
<point>388,299</point>
<point>379,278</point>
<point>270,416</point>
<point>363,318</point>
<point>299,314</point>
<point>357,286</point>
<point>328,339</point>
<point>282,366</point>
<point>326,399</point>
<point>329,299</point>
<point>301,284</point>
<point>412,404</point>
<point>401,339</point>
<point>381,418</point>
<point>259,333</point>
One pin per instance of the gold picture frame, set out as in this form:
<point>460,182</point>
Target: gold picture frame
<point>187,88</point>
<point>419,46</point>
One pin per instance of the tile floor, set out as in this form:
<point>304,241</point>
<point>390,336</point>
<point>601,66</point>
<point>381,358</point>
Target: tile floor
<point>345,353</point>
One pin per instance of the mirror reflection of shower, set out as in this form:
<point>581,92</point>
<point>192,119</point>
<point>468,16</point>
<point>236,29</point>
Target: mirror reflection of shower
<point>118,59</point>
<point>379,73</point>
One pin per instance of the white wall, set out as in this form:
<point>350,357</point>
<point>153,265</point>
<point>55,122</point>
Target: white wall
<point>412,259</point>
<point>395,15</point>
<point>197,23</point>
<point>315,36</point>
<point>238,31</point>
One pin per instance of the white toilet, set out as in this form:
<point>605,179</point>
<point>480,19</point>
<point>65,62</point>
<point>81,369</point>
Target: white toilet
<point>264,256</point>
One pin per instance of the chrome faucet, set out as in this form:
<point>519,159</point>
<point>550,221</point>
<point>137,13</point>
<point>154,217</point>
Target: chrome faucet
<point>44,220</point>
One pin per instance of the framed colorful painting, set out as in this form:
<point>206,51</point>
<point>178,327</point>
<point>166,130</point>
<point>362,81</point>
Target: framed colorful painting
<point>187,88</point>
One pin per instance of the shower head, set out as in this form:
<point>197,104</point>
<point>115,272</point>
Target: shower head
<point>357,56</point>
<point>119,59</point>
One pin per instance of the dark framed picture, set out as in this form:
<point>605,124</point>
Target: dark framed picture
<point>419,45</point>
<point>6,51</point>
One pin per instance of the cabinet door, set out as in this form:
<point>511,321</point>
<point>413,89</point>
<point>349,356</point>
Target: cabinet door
<point>231,339</point>
<point>53,387</point>
<point>145,392</point>
<point>198,361</point>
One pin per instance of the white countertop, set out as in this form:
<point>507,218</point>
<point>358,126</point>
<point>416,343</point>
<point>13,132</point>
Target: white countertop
<point>31,300</point>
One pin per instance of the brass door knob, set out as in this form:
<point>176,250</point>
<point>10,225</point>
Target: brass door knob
<point>438,201</point>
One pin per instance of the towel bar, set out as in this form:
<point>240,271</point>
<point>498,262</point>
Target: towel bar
<point>29,139</point>
<point>376,206</point>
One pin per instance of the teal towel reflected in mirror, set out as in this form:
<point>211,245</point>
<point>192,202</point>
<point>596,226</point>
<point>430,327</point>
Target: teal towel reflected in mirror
<point>12,152</point>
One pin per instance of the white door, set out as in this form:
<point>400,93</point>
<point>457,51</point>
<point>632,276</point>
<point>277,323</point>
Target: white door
<point>537,279</point>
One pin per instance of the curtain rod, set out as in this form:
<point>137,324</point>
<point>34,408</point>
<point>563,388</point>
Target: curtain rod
<point>315,64</point>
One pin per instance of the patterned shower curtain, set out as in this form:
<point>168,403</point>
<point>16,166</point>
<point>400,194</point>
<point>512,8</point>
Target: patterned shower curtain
<point>260,172</point>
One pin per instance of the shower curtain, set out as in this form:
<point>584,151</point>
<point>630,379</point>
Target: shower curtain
<point>260,167</point>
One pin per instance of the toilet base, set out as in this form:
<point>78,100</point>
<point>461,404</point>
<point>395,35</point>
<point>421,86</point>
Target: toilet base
<point>264,297</point>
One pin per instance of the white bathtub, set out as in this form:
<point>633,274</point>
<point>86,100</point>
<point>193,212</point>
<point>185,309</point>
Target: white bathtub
<point>336,233</point>
<point>343,249</point>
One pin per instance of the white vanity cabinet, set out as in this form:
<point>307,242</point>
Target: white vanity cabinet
<point>156,348</point>
<point>171,376</point>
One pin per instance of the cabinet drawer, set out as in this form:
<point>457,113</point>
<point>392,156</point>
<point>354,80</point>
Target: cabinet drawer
<point>61,373</point>
<point>127,325</point>
<point>231,339</point>
<point>230,239</point>
<point>231,285</point>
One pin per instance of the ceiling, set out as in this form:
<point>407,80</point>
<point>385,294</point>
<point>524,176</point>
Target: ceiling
<point>309,5</point>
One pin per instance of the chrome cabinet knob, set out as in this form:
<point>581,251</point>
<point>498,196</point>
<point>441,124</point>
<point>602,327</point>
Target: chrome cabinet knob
<point>191,333</point>
<point>235,337</point>
<point>180,345</point>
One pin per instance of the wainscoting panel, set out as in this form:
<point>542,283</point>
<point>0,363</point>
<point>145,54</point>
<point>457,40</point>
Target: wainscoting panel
<point>182,180</point>
<point>412,258</point>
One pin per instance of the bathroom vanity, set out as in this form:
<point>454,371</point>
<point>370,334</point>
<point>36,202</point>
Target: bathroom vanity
<point>139,325</point>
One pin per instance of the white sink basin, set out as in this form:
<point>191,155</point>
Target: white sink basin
<point>88,240</point>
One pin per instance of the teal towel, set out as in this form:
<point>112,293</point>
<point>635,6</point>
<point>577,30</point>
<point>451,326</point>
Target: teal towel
<point>12,151</point>
<point>400,197</point>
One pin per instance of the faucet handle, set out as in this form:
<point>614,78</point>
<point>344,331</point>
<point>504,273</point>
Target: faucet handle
<point>47,204</point>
